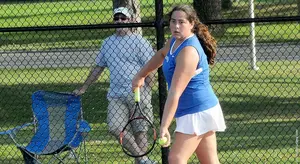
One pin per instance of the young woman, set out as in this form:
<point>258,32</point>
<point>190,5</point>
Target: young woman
<point>185,61</point>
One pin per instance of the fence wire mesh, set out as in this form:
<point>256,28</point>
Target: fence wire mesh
<point>52,45</point>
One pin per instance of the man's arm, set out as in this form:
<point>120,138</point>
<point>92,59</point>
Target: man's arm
<point>155,62</point>
<point>92,77</point>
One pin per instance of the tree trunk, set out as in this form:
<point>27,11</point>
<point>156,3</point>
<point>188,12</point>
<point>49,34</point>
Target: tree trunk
<point>298,8</point>
<point>134,6</point>
<point>210,10</point>
<point>227,4</point>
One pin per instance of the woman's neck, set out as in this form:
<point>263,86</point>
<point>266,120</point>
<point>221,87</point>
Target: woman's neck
<point>179,40</point>
<point>182,39</point>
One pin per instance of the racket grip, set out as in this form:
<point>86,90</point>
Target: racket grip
<point>137,96</point>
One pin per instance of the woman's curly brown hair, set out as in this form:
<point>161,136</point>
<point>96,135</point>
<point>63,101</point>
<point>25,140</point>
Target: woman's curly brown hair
<point>207,41</point>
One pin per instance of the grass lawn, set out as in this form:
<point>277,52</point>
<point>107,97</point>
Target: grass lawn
<point>261,110</point>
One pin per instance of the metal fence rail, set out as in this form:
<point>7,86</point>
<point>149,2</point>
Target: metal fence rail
<point>52,45</point>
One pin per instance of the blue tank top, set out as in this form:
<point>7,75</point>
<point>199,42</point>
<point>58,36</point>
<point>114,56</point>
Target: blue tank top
<point>198,95</point>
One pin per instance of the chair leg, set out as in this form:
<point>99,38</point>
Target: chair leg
<point>84,135</point>
<point>74,154</point>
<point>61,160</point>
<point>29,158</point>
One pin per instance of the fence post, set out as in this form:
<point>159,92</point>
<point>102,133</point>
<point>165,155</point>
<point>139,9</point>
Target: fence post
<point>252,36</point>
<point>159,26</point>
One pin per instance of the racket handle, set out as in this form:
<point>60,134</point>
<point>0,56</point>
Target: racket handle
<point>137,96</point>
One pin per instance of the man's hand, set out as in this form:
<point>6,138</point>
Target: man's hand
<point>79,91</point>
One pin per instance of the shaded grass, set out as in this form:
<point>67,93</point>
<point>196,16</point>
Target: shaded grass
<point>78,39</point>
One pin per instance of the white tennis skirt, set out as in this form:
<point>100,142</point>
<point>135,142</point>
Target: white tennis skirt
<point>202,122</point>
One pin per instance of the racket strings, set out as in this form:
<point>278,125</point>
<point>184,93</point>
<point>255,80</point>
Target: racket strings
<point>138,137</point>
<point>139,114</point>
<point>130,144</point>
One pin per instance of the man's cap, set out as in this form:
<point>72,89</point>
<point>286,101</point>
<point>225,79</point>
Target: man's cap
<point>122,10</point>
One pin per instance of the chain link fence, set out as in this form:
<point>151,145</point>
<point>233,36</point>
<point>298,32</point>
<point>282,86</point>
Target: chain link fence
<point>53,44</point>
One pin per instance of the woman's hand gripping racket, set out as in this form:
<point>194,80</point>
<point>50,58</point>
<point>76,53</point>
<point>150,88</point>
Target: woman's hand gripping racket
<point>138,137</point>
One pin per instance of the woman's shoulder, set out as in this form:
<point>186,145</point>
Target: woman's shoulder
<point>193,41</point>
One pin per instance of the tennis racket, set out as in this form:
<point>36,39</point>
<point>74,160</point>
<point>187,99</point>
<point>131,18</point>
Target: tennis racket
<point>138,137</point>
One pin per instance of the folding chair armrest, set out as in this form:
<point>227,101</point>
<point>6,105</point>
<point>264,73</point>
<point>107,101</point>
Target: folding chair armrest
<point>12,132</point>
<point>84,127</point>
<point>15,129</point>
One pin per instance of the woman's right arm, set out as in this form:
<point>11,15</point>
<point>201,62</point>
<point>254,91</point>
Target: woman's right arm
<point>155,62</point>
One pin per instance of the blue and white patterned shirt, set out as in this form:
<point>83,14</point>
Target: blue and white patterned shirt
<point>124,56</point>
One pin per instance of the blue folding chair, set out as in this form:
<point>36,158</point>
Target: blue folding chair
<point>59,128</point>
